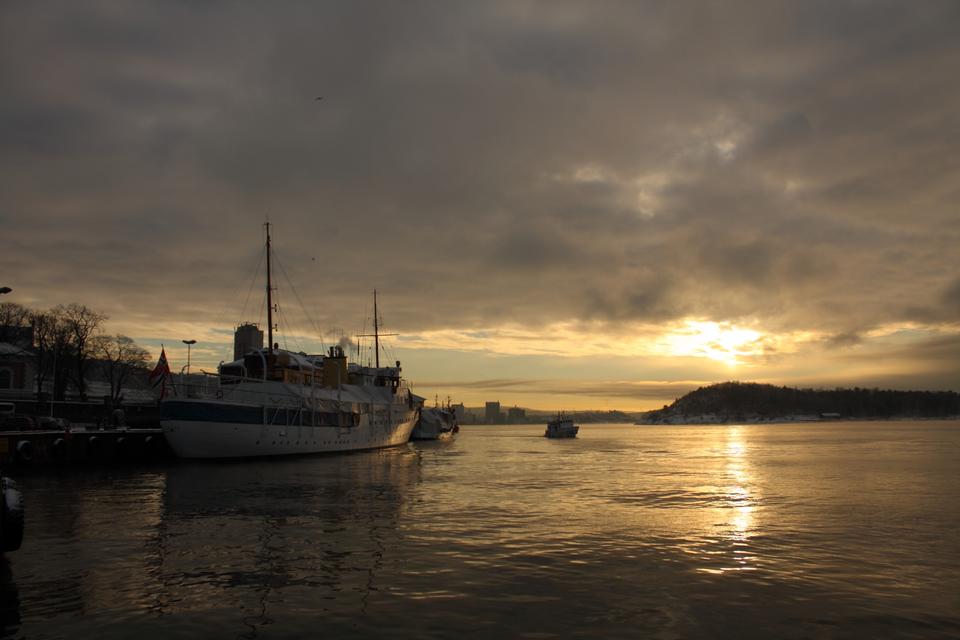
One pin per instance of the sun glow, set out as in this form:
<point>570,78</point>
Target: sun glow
<point>722,342</point>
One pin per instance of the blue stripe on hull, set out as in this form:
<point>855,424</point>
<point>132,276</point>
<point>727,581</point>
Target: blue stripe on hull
<point>210,412</point>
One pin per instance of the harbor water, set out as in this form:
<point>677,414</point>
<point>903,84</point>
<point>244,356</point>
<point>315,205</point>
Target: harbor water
<point>821,530</point>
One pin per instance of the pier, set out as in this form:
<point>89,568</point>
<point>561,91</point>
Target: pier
<point>42,433</point>
<point>28,448</point>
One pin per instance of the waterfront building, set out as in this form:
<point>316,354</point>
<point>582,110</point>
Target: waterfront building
<point>493,415</point>
<point>17,369</point>
<point>18,362</point>
<point>516,415</point>
<point>248,337</point>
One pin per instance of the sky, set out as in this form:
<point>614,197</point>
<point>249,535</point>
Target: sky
<point>562,205</point>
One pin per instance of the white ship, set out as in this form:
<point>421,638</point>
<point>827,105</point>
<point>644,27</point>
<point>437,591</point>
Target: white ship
<point>277,402</point>
<point>435,423</point>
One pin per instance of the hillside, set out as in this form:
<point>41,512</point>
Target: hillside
<point>751,402</point>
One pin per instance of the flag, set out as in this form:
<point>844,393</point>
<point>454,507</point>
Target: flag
<point>160,373</point>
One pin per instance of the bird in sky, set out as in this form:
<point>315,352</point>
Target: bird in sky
<point>319,97</point>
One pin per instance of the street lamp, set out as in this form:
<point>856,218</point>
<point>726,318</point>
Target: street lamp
<point>5,289</point>
<point>188,343</point>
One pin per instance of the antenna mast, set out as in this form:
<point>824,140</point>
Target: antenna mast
<point>269,294</point>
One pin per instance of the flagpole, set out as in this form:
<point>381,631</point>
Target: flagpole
<point>163,371</point>
<point>167,375</point>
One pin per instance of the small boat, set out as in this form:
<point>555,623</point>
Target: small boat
<point>561,427</point>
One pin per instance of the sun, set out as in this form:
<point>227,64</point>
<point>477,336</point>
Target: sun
<point>722,342</point>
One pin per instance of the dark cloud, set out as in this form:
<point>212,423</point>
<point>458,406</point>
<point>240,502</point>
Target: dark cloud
<point>638,298</point>
<point>942,307</point>
<point>843,340</point>
<point>785,136</point>
<point>928,363</point>
<point>951,300</point>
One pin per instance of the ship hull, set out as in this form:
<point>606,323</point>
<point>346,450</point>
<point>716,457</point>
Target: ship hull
<point>419,436</point>
<point>220,437</point>
<point>433,424</point>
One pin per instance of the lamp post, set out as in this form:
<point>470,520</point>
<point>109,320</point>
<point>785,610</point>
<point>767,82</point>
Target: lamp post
<point>188,343</point>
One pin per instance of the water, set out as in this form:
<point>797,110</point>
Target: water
<point>845,530</point>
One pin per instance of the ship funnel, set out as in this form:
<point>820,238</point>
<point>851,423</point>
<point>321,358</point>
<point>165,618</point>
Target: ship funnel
<point>335,368</point>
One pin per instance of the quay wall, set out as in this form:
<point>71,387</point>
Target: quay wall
<point>41,433</point>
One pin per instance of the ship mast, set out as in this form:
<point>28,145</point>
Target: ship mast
<point>269,294</point>
<point>376,329</point>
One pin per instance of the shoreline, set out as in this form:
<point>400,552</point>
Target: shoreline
<point>795,419</point>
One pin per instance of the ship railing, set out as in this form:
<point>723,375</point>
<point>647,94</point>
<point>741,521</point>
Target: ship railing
<point>212,386</point>
<point>221,387</point>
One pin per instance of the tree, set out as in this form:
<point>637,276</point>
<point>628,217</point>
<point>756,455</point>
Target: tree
<point>13,319</point>
<point>83,325</point>
<point>51,340</point>
<point>120,358</point>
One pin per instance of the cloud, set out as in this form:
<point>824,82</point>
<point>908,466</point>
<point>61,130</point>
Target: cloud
<point>950,299</point>
<point>843,340</point>
<point>484,165</point>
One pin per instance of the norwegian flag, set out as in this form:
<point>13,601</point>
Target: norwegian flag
<point>160,373</point>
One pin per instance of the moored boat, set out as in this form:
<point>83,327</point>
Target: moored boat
<point>277,402</point>
<point>435,423</point>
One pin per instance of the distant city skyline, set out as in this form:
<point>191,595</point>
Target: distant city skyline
<point>561,205</point>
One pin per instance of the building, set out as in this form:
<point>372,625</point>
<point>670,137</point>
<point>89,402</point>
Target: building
<point>493,415</point>
<point>516,415</point>
<point>459,413</point>
<point>17,369</point>
<point>18,362</point>
<point>248,337</point>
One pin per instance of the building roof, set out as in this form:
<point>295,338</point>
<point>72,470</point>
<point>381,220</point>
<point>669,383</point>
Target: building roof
<point>7,349</point>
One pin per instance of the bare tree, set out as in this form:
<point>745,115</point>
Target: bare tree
<point>42,342</point>
<point>14,318</point>
<point>83,324</point>
<point>120,357</point>
<point>52,342</point>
